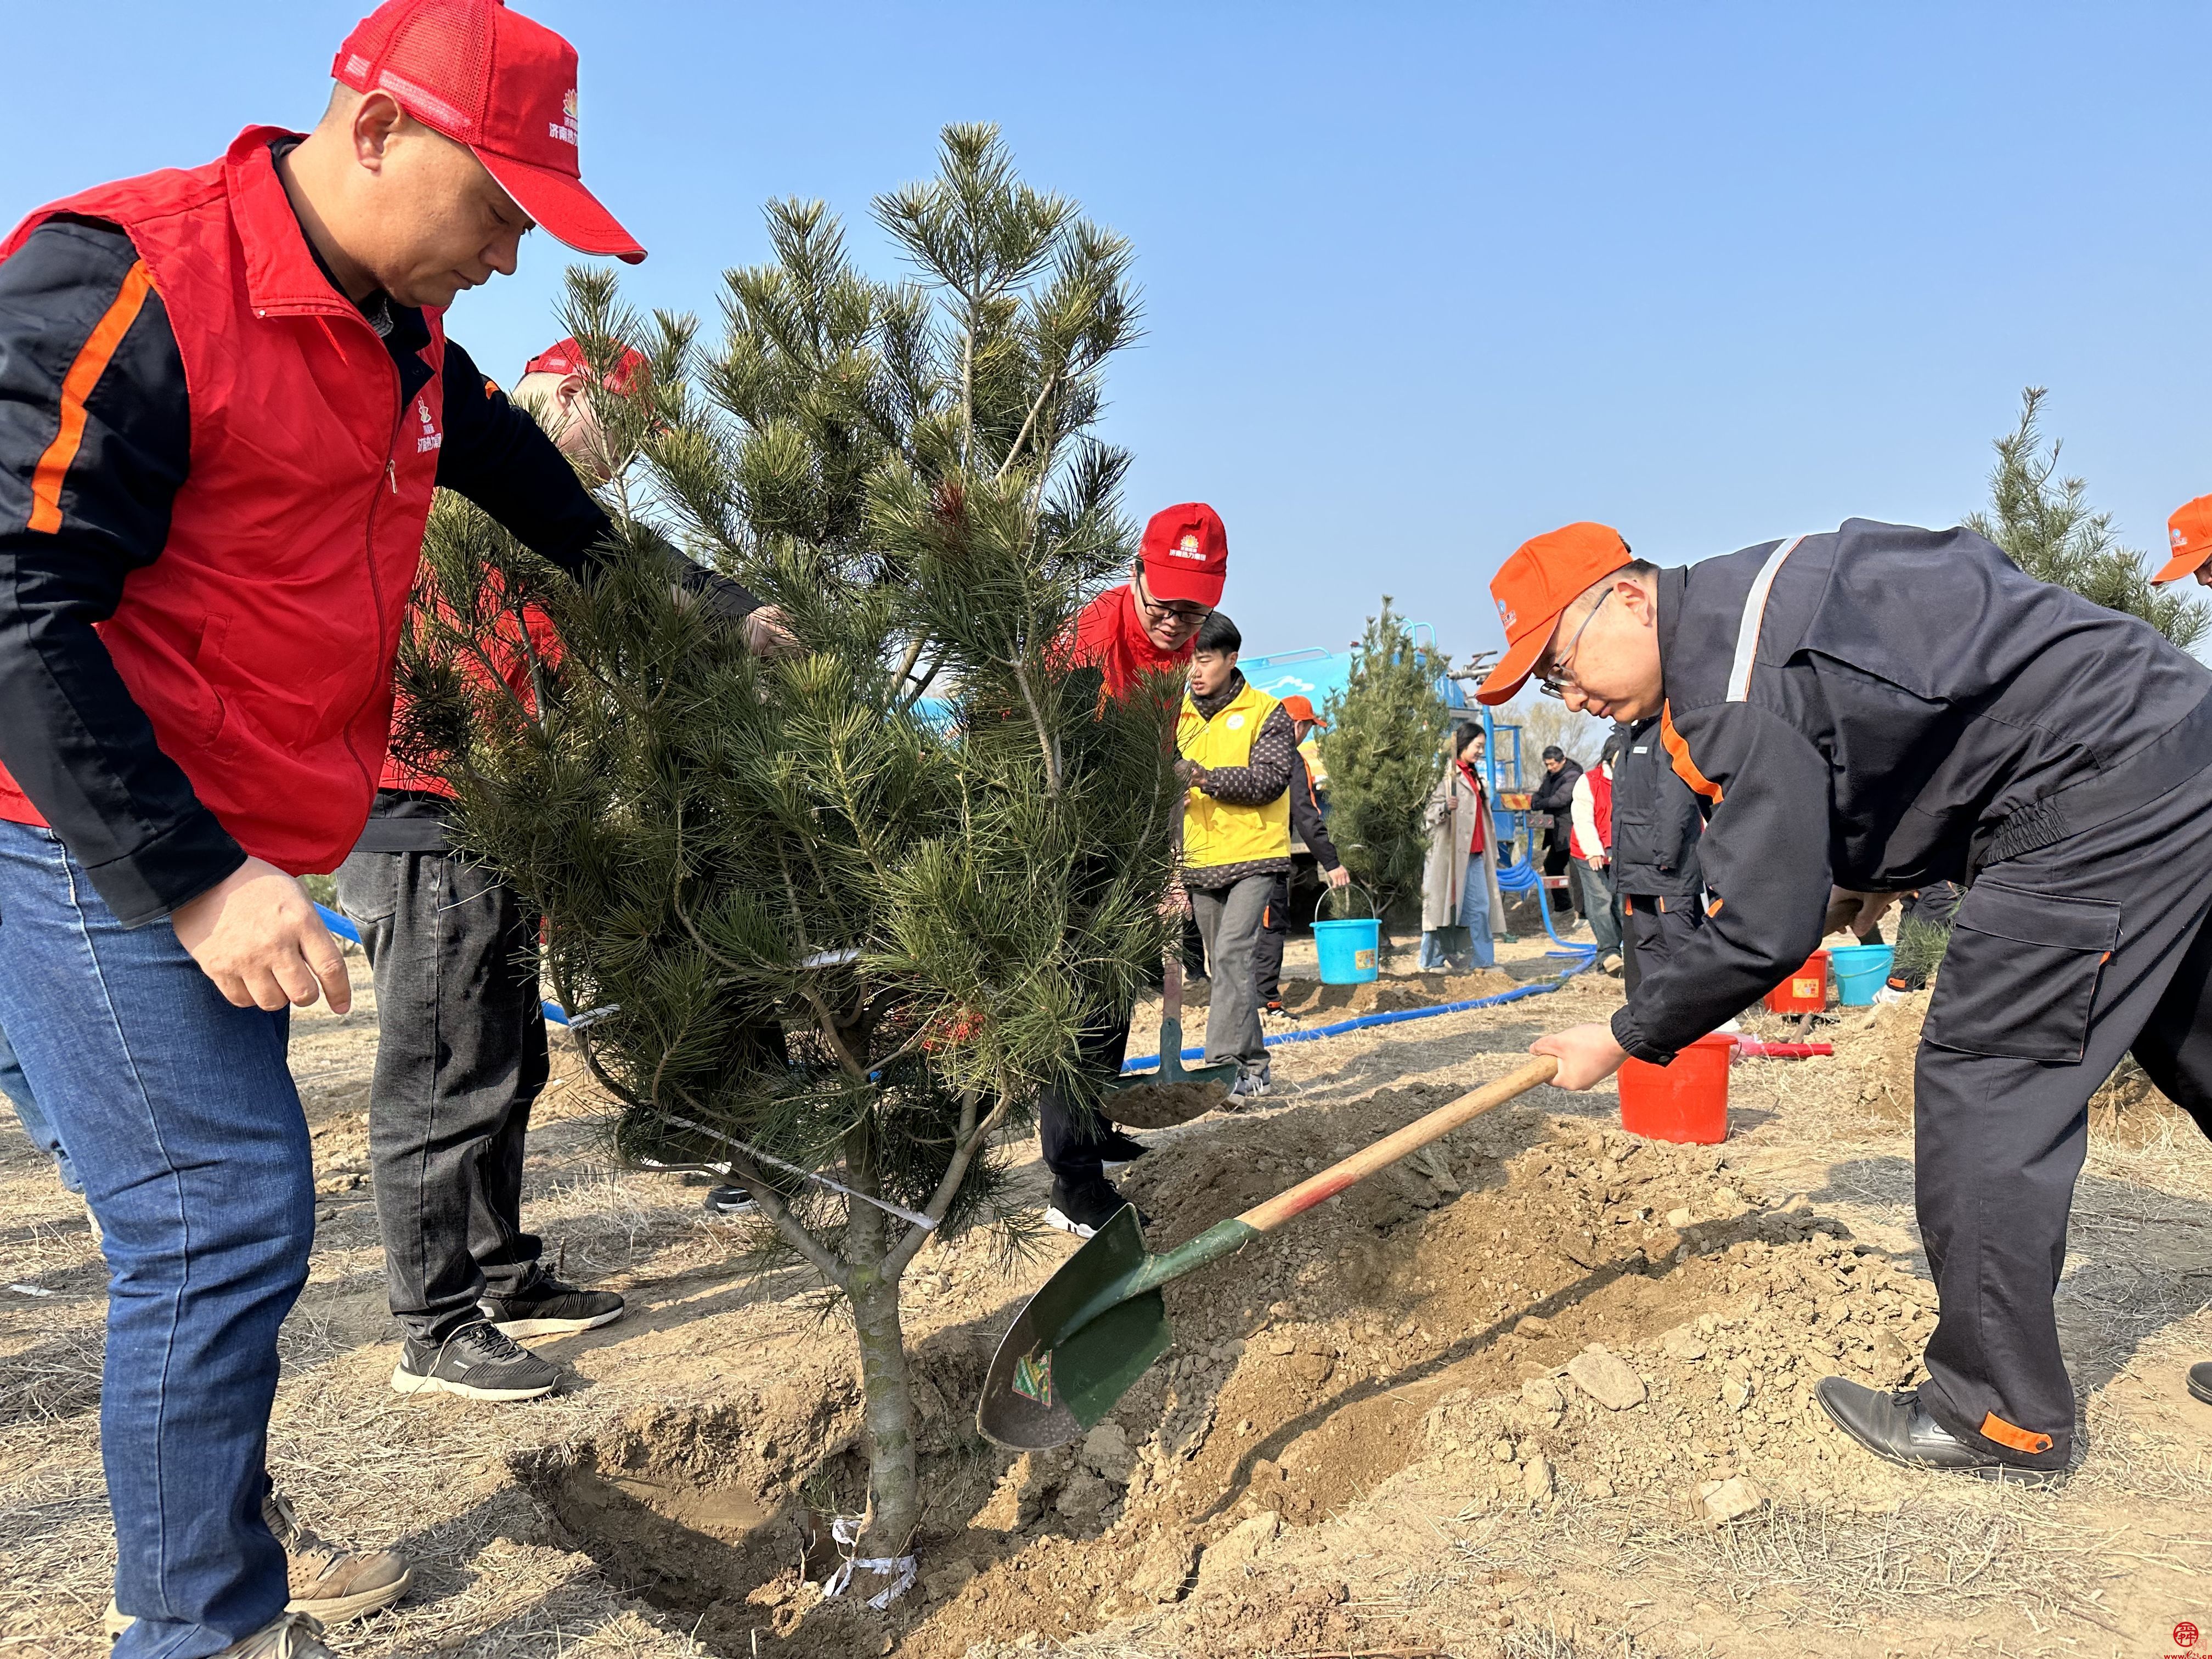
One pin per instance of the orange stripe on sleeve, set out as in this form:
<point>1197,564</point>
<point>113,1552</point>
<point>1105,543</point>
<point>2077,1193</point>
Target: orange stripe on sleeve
<point>99,347</point>
<point>1678,751</point>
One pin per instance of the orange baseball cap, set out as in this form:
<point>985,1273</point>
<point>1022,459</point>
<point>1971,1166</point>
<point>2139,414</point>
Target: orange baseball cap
<point>1545,575</point>
<point>1302,708</point>
<point>2190,532</point>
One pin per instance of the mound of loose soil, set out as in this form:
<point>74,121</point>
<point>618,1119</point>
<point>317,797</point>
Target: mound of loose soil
<point>2128,1109</point>
<point>1372,1334</point>
<point>1310,999</point>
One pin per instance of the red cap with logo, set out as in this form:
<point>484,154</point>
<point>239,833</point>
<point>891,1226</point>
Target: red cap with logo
<point>567,357</point>
<point>1545,575</point>
<point>1186,554</point>
<point>504,86</point>
<point>2189,532</point>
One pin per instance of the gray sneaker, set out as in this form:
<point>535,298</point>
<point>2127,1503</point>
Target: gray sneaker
<point>1252,1083</point>
<point>477,1361</point>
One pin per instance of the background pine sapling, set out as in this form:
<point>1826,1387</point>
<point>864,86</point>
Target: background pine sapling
<point>1385,753</point>
<point>845,912</point>
<point>2045,524</point>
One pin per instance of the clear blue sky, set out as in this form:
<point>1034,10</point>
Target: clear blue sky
<point>1420,281</point>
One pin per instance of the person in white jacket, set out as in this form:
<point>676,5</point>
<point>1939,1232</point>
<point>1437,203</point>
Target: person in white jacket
<point>1591,845</point>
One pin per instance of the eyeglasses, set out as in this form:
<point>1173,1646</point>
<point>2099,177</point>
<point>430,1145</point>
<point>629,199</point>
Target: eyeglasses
<point>1155,613</point>
<point>1555,683</point>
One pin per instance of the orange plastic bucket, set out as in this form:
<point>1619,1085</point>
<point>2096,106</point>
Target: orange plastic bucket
<point>1686,1101</point>
<point>1805,992</point>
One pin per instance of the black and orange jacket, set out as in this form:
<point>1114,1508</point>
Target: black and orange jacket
<point>1898,695</point>
<point>1657,820</point>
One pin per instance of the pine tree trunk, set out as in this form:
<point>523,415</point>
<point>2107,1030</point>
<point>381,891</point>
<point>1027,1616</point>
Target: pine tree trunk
<point>893,1479</point>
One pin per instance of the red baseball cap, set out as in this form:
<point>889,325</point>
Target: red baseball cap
<point>1302,708</point>
<point>504,86</point>
<point>2190,532</point>
<point>567,357</point>
<point>1545,575</point>
<point>1186,554</point>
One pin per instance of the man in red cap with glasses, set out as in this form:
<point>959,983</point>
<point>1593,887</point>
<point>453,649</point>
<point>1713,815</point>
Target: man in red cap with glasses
<point>1869,710</point>
<point>1143,627</point>
<point>226,398</point>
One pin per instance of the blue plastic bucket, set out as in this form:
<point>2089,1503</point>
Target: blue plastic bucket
<point>1860,970</point>
<point>1351,950</point>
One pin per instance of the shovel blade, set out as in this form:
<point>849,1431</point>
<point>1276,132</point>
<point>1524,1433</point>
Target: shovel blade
<point>1045,1389</point>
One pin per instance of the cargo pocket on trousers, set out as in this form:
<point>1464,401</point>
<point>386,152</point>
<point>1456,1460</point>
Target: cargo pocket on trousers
<point>2019,978</point>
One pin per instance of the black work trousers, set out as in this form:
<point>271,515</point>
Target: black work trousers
<point>1651,930</point>
<point>461,1056</point>
<point>2061,961</point>
<point>1068,1133</point>
<point>1268,950</point>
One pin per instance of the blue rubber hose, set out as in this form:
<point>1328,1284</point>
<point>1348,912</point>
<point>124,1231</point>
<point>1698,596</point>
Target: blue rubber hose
<point>1542,987</point>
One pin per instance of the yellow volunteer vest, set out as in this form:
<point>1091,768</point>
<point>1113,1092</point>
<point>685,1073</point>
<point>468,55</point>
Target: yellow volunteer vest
<point>1316,768</point>
<point>1214,832</point>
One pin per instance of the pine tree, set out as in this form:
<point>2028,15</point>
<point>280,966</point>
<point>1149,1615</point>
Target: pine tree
<point>2045,524</point>
<point>822,925</point>
<point>1385,750</point>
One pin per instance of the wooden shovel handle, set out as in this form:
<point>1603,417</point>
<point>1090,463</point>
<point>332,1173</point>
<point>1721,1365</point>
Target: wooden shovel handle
<point>1318,1189</point>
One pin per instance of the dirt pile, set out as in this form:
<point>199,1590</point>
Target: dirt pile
<point>1506,1290</point>
<point>2128,1109</point>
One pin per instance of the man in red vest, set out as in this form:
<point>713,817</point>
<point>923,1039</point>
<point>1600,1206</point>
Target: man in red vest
<point>1143,627</point>
<point>226,398</point>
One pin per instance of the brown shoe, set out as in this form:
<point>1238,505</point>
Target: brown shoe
<point>328,1585</point>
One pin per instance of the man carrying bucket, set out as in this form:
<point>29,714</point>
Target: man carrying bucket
<point>1849,736</point>
<point>1308,777</point>
<point>1237,747</point>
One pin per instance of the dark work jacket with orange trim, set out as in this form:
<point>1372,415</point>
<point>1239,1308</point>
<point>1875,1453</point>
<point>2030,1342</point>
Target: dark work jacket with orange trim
<point>1656,822</point>
<point>1912,694</point>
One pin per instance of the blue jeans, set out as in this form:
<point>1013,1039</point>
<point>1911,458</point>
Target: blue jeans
<point>1437,946</point>
<point>36,1123</point>
<point>180,1114</point>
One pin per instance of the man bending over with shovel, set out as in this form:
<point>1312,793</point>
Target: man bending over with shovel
<point>1868,710</point>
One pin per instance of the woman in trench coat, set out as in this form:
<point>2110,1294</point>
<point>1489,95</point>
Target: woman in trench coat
<point>1459,884</point>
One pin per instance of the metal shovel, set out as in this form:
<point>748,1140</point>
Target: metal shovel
<point>1099,1323</point>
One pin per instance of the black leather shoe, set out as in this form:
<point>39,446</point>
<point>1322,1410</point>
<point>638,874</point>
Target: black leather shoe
<point>2200,1381</point>
<point>1894,1427</point>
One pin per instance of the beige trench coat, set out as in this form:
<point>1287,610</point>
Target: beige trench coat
<point>1451,820</point>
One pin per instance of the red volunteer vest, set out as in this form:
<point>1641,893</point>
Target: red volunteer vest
<point>506,658</point>
<point>1601,788</point>
<point>261,642</point>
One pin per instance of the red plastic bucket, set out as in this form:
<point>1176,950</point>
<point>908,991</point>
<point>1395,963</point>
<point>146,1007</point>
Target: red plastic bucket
<point>1685,1101</point>
<point>1805,992</point>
